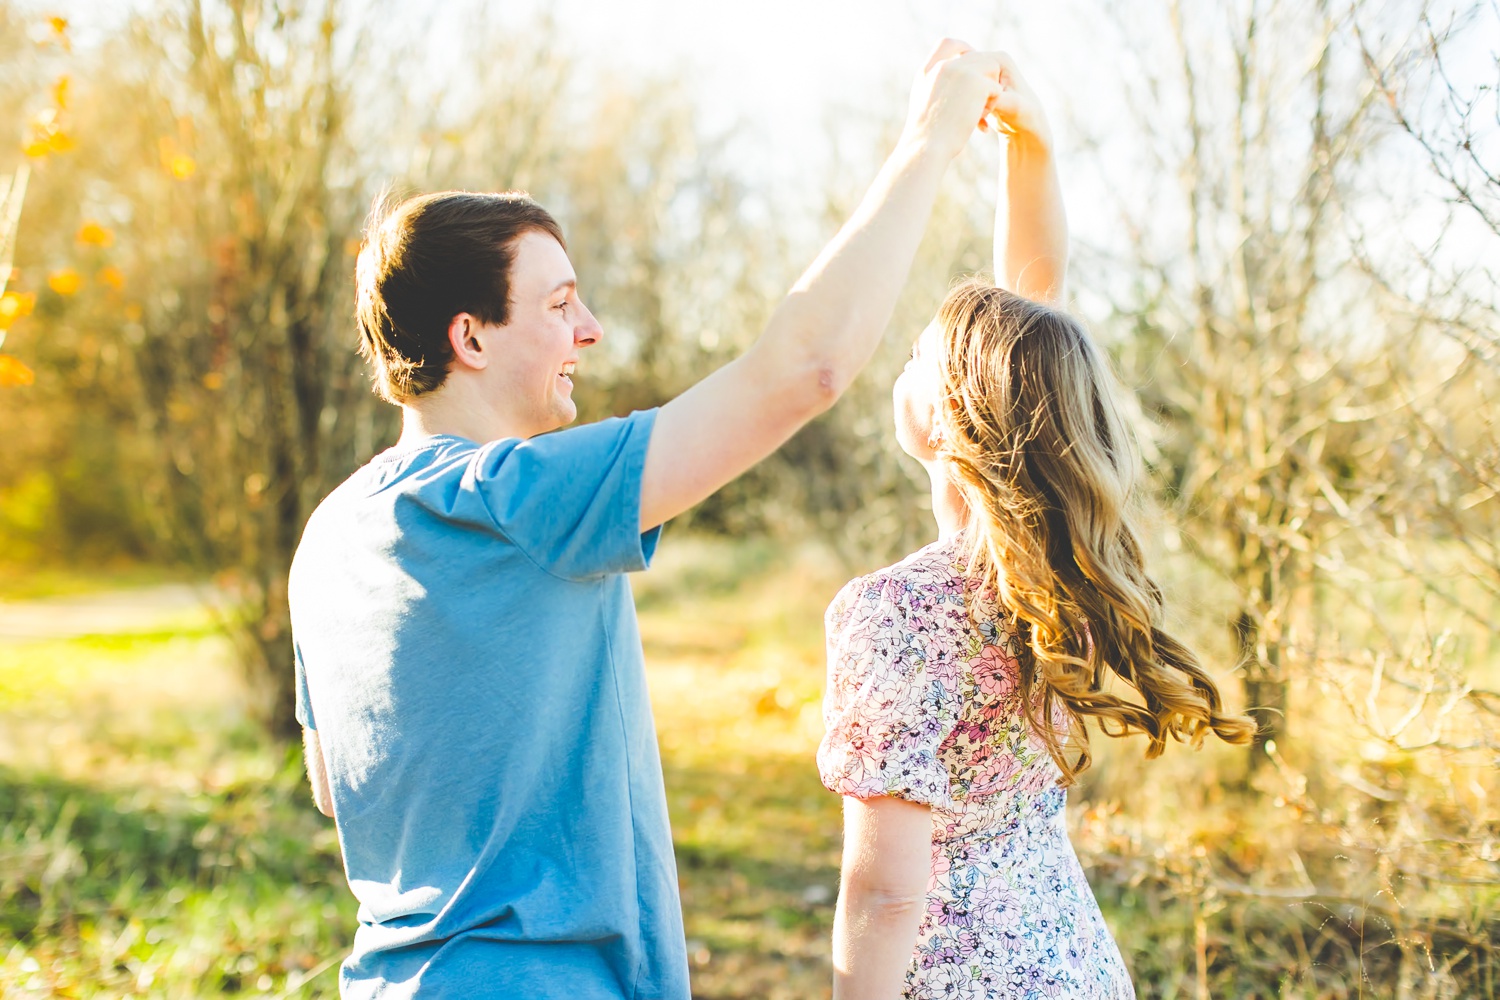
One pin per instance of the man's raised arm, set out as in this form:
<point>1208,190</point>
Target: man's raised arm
<point>831,321</point>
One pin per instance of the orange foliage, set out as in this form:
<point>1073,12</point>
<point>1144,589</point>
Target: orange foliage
<point>14,306</point>
<point>14,373</point>
<point>93,234</point>
<point>65,282</point>
<point>177,163</point>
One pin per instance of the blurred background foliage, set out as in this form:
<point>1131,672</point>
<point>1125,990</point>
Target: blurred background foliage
<point>1300,291</point>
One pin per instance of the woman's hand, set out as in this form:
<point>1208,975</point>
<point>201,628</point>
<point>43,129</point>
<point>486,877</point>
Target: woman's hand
<point>1014,110</point>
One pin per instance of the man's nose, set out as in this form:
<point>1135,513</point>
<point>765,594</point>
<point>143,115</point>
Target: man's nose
<point>588,331</point>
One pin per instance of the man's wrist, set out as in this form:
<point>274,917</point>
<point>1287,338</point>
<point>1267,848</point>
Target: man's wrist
<point>920,152</point>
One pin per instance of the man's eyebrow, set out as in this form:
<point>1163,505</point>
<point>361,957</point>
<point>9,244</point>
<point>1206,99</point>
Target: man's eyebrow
<point>565,283</point>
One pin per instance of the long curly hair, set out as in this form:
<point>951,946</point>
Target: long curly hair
<point>1048,469</point>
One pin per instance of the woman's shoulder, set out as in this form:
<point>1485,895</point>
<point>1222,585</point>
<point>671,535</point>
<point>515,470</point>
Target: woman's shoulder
<point>931,575</point>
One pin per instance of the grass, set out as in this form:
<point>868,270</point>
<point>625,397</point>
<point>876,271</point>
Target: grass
<point>27,582</point>
<point>152,844</point>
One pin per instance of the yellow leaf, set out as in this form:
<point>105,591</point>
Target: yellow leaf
<point>60,142</point>
<point>134,312</point>
<point>37,148</point>
<point>213,381</point>
<point>95,235</point>
<point>60,92</point>
<point>59,25</point>
<point>14,373</point>
<point>65,282</point>
<point>111,276</point>
<point>14,306</point>
<point>182,166</point>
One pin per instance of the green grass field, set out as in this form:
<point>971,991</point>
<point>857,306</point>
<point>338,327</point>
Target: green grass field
<point>152,844</point>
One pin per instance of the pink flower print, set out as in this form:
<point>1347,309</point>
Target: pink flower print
<point>970,730</point>
<point>862,785</point>
<point>1000,908</point>
<point>951,982</point>
<point>1036,780</point>
<point>1009,910</point>
<point>943,669</point>
<point>948,912</point>
<point>996,672</point>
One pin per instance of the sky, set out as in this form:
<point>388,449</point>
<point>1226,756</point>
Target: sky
<point>773,74</point>
<point>781,69</point>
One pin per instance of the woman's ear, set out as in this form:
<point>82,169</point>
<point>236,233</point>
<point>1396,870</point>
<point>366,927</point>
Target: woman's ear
<point>935,423</point>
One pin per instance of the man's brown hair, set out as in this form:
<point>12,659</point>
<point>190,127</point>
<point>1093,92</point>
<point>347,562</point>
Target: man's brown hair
<point>424,261</point>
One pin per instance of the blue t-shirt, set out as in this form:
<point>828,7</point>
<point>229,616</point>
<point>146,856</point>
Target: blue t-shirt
<point>467,650</point>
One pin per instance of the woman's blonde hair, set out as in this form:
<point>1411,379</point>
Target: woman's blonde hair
<point>1048,468</point>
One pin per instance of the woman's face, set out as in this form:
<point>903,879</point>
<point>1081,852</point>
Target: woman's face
<point>918,390</point>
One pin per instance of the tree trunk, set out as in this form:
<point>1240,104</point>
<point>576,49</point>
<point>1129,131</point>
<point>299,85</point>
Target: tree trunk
<point>1264,683</point>
<point>261,630</point>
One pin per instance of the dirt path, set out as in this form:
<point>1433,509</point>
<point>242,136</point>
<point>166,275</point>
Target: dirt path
<point>113,612</point>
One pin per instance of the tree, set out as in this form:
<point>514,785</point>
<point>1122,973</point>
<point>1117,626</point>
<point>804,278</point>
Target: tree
<point>238,197</point>
<point>1252,347</point>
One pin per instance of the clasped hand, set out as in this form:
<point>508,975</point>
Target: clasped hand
<point>960,89</point>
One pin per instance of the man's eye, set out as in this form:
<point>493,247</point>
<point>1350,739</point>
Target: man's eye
<point>563,305</point>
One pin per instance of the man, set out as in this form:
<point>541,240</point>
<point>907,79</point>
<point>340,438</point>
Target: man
<point>470,679</point>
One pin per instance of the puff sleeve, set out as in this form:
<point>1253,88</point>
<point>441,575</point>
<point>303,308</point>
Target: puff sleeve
<point>886,711</point>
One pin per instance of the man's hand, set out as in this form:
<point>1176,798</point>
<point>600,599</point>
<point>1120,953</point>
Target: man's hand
<point>954,92</point>
<point>317,771</point>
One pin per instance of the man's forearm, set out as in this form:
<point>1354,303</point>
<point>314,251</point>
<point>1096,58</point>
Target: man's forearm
<point>1031,226</point>
<point>833,317</point>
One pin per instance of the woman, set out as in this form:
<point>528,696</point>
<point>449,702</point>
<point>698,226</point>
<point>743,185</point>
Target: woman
<point>963,678</point>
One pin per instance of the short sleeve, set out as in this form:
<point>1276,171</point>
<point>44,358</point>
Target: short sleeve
<point>571,500</point>
<point>304,702</point>
<point>884,713</point>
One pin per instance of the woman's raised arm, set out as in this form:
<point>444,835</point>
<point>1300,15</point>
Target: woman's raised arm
<point>1031,228</point>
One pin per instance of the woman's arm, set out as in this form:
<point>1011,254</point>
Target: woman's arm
<point>1031,228</point>
<point>882,891</point>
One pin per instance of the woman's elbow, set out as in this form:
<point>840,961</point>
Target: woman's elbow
<point>882,901</point>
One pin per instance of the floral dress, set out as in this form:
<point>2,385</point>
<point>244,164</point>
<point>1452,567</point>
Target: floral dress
<point>923,704</point>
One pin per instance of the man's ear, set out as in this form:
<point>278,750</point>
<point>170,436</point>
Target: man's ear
<point>468,346</point>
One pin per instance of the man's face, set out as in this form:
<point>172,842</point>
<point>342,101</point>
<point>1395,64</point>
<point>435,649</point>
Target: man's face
<point>539,346</point>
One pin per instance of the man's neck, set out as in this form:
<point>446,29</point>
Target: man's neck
<point>452,410</point>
